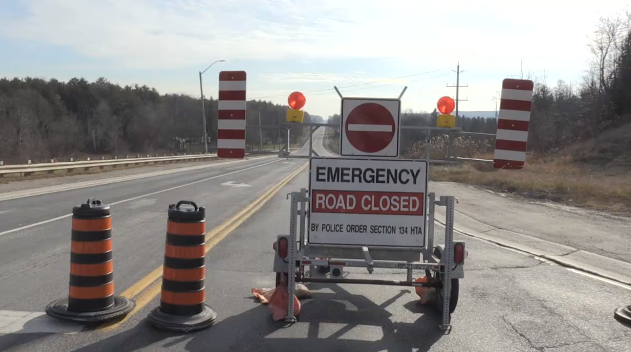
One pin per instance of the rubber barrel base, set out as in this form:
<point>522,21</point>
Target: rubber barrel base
<point>200,321</point>
<point>59,309</point>
<point>623,315</point>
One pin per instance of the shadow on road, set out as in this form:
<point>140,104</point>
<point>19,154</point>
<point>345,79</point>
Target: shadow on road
<point>14,340</point>
<point>338,321</point>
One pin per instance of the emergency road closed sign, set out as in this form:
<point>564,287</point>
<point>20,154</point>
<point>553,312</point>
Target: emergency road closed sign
<point>367,202</point>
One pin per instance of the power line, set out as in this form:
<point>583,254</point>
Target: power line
<point>328,90</point>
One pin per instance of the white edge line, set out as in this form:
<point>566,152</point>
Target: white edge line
<point>134,198</point>
<point>540,258</point>
<point>599,278</point>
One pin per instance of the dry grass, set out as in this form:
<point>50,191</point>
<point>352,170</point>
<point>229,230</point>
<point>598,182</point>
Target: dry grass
<point>557,180</point>
<point>462,146</point>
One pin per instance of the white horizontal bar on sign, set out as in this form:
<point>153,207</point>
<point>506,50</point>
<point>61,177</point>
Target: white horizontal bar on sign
<point>516,94</point>
<point>509,155</point>
<point>514,115</point>
<point>231,144</point>
<point>509,135</point>
<point>358,127</point>
<point>231,105</point>
<point>232,85</point>
<point>231,124</point>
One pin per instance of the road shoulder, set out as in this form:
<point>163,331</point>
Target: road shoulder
<point>588,241</point>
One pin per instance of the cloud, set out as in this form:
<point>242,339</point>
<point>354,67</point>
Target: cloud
<point>169,34</point>
<point>328,78</point>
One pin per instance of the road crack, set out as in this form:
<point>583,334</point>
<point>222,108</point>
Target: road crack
<point>522,335</point>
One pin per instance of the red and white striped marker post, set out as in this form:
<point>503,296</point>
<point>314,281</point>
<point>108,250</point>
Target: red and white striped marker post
<point>231,115</point>
<point>513,123</point>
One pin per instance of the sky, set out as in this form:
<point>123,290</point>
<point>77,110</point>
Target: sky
<point>366,48</point>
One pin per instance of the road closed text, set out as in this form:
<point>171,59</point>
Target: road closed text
<point>364,202</point>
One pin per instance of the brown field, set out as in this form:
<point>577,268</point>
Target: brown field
<point>558,177</point>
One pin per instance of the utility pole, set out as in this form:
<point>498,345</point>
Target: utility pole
<point>458,86</point>
<point>204,114</point>
<point>496,97</point>
<point>260,131</point>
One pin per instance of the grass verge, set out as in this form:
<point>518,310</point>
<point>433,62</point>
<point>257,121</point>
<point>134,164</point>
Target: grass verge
<point>557,180</point>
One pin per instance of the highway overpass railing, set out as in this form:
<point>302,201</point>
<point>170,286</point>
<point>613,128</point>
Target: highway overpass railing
<point>29,169</point>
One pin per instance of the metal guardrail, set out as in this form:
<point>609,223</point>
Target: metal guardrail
<point>26,170</point>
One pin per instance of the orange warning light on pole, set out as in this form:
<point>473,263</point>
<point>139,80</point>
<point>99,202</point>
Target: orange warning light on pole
<point>297,100</point>
<point>446,105</point>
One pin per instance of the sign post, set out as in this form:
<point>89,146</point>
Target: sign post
<point>368,202</point>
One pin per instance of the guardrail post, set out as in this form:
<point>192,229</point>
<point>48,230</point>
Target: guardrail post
<point>71,159</point>
<point>28,161</point>
<point>52,160</point>
<point>88,159</point>
<point>1,163</point>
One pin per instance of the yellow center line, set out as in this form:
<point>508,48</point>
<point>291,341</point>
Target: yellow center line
<point>147,288</point>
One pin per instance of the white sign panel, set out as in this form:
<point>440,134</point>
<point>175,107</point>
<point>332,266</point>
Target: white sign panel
<point>367,202</point>
<point>370,127</point>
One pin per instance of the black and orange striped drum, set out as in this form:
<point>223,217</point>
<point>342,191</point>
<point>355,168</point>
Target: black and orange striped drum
<point>182,306</point>
<point>91,292</point>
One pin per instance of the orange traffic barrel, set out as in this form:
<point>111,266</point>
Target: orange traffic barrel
<point>182,306</point>
<point>91,294</point>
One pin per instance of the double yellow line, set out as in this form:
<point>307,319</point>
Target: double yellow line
<point>147,288</point>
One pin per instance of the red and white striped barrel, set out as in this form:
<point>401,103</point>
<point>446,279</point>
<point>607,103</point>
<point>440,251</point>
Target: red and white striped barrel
<point>231,115</point>
<point>513,123</point>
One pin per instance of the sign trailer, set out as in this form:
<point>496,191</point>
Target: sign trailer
<point>370,209</point>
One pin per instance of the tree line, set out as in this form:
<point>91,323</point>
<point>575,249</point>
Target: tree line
<point>43,119</point>
<point>562,114</point>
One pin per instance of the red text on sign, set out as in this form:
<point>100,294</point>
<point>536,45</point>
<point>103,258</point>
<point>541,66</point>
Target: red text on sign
<point>363,202</point>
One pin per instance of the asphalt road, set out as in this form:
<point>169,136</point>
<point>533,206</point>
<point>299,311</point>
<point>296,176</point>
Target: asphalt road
<point>509,301</point>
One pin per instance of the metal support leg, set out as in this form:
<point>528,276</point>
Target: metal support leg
<point>447,255</point>
<point>429,233</point>
<point>448,144</point>
<point>291,275</point>
<point>288,139</point>
<point>368,258</point>
<point>428,144</point>
<point>311,141</point>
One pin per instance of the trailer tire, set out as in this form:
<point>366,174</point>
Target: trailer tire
<point>455,284</point>
<point>277,279</point>
<point>453,297</point>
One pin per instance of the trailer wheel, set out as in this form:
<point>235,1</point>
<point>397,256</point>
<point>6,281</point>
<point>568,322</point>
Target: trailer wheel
<point>277,279</point>
<point>455,285</point>
<point>453,297</point>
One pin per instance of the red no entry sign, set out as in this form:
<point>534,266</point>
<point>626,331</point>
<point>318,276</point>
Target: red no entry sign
<point>370,127</point>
